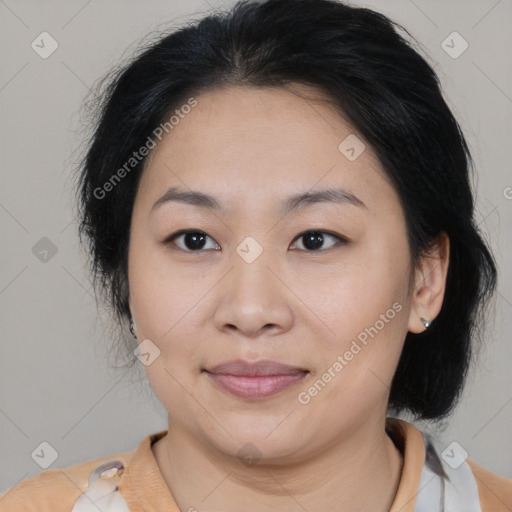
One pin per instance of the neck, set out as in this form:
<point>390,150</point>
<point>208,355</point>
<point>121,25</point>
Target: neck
<point>360,471</point>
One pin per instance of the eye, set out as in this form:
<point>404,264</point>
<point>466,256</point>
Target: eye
<point>193,240</point>
<point>314,240</point>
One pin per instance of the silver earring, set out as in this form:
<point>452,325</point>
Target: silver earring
<point>425,322</point>
<point>132,326</point>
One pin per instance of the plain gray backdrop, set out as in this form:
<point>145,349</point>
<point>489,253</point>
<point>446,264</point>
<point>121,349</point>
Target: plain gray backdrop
<point>55,383</point>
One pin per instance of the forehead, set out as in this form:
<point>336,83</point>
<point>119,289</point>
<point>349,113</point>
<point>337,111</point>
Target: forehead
<point>248,142</point>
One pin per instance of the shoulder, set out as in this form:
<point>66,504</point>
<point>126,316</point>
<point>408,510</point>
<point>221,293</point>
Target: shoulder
<point>53,490</point>
<point>434,473</point>
<point>495,491</point>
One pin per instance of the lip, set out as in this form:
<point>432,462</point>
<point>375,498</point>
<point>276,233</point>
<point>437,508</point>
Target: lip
<point>265,367</point>
<point>258,379</point>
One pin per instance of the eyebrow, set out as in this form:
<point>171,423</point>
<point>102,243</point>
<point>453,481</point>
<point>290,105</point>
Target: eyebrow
<point>292,203</point>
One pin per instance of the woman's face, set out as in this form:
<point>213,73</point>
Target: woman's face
<point>333,304</point>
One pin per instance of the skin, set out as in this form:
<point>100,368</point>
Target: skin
<point>251,148</point>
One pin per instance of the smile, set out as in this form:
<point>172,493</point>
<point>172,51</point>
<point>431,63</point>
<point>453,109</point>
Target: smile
<point>255,379</point>
<point>259,386</point>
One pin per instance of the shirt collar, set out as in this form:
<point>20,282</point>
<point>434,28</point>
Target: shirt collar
<point>144,488</point>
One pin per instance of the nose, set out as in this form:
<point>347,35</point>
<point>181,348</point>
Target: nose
<point>254,300</point>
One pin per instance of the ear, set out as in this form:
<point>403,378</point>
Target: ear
<point>430,284</point>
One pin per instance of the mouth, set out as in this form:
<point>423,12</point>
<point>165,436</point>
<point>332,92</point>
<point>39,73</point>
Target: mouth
<point>259,379</point>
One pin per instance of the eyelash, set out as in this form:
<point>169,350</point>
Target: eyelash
<point>340,240</point>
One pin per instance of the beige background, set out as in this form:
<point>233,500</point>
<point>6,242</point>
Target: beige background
<point>55,385</point>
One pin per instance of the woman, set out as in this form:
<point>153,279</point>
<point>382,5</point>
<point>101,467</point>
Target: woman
<point>277,200</point>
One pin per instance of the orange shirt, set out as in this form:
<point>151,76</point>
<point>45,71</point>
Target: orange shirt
<point>144,490</point>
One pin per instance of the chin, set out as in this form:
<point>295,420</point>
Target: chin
<point>253,443</point>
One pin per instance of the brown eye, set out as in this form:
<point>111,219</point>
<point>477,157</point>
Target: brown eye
<point>190,240</point>
<point>315,240</point>
<point>197,241</point>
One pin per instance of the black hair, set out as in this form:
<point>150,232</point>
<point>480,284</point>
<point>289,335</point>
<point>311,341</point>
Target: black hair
<point>379,83</point>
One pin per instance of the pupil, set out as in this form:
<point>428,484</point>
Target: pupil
<point>194,240</point>
<point>314,240</point>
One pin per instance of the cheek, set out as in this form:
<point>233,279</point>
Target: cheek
<point>354,294</point>
<point>165,303</point>
<point>161,292</point>
<point>365,303</point>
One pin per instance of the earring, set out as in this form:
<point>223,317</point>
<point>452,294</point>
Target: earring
<point>425,322</point>
<point>132,328</point>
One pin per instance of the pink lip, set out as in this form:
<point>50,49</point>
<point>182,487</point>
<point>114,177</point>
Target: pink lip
<point>257,379</point>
